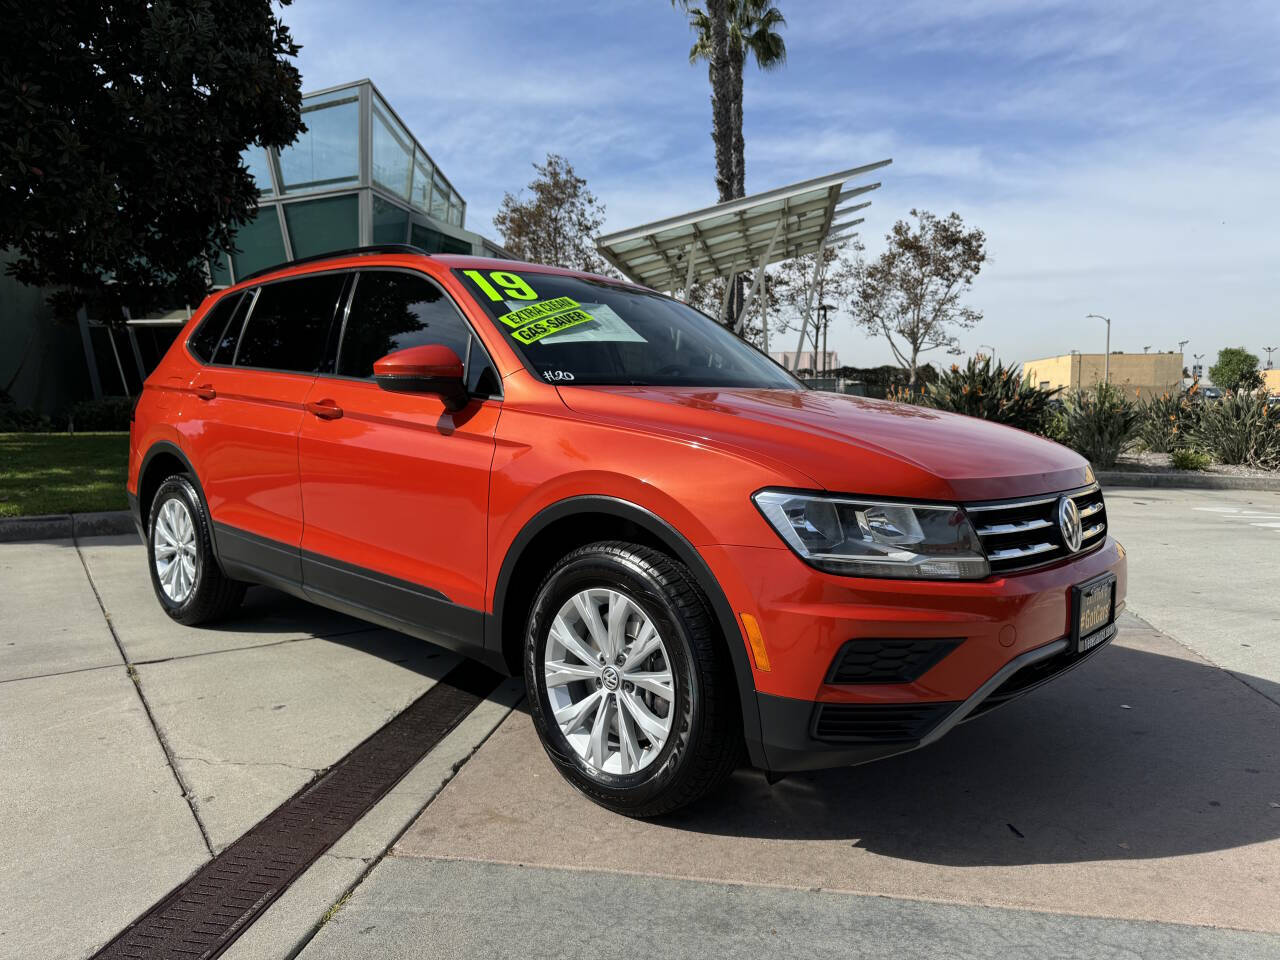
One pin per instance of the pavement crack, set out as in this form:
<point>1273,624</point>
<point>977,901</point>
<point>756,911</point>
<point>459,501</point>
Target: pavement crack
<point>142,697</point>
<point>250,763</point>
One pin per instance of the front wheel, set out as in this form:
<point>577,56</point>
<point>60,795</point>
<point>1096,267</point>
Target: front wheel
<point>630,689</point>
<point>184,571</point>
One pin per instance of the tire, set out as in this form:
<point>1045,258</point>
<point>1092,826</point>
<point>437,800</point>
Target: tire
<point>704,742</point>
<point>203,593</point>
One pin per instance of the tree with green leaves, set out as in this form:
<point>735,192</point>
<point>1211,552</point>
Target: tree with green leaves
<point>124,124</point>
<point>911,294</point>
<point>1236,369</point>
<point>557,223</point>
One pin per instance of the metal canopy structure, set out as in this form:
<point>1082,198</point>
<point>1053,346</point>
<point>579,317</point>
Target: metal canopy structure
<point>739,235</point>
<point>745,234</point>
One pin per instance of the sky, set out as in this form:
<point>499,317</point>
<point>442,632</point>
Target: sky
<point>1123,158</point>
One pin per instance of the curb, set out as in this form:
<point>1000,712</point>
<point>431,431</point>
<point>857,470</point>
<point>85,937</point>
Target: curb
<point>63,526</point>
<point>1186,480</point>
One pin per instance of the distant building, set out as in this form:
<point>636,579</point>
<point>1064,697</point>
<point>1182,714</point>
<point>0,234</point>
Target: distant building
<point>357,176</point>
<point>1271,380</point>
<point>1144,373</point>
<point>826,359</point>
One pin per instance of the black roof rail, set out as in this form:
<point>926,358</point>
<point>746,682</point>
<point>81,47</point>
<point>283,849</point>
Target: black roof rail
<point>332,254</point>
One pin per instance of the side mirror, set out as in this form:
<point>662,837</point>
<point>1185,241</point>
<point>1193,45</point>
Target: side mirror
<point>430,368</point>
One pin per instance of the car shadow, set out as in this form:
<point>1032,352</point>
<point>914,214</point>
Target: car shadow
<point>1135,755</point>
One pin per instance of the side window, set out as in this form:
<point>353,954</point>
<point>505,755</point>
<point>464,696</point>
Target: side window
<point>289,325</point>
<point>225,349</point>
<point>205,340</point>
<point>392,311</point>
<point>482,375</point>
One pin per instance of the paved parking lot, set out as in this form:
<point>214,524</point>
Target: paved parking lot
<point>1130,810</point>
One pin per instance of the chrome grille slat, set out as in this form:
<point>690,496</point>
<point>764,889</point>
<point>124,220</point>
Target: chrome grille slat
<point>1023,526</point>
<point>1016,553</point>
<point>1022,534</point>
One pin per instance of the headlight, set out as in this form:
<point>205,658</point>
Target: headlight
<point>867,538</point>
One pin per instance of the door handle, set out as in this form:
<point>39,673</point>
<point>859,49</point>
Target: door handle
<point>324,409</point>
<point>206,392</point>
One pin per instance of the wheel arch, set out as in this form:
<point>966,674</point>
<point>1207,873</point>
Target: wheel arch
<point>576,521</point>
<point>164,459</point>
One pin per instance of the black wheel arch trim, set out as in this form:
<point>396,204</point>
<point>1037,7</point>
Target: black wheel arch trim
<point>682,549</point>
<point>135,501</point>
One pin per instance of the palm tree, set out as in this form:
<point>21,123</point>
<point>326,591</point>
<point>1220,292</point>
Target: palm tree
<point>751,31</point>
<point>714,33</point>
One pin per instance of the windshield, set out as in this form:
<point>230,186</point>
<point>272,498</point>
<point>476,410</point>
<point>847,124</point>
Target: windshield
<point>573,330</point>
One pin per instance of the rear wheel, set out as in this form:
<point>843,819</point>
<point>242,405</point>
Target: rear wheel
<point>184,571</point>
<point>631,692</point>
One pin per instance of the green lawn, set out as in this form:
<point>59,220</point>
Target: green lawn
<point>57,473</point>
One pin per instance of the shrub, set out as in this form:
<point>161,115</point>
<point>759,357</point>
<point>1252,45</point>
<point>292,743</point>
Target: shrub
<point>109,413</point>
<point>992,392</point>
<point>1167,422</point>
<point>1100,423</point>
<point>1188,458</point>
<point>16,419</point>
<point>1240,428</point>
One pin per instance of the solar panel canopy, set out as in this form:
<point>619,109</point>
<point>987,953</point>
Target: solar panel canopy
<point>736,235</point>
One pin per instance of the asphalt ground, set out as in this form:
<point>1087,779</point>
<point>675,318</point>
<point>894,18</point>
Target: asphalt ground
<point>1131,809</point>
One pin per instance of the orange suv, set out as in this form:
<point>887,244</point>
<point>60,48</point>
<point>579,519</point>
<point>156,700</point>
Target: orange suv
<point>687,553</point>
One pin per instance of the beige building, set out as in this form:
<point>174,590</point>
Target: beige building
<point>1144,373</point>
<point>1271,380</point>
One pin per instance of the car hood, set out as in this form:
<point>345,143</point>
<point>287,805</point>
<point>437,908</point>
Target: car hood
<point>849,444</point>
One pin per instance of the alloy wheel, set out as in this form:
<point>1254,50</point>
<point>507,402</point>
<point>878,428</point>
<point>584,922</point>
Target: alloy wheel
<point>173,538</point>
<point>609,681</point>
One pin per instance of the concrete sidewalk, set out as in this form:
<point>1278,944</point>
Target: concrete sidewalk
<point>134,748</point>
<point>1131,809</point>
<point>1123,810</point>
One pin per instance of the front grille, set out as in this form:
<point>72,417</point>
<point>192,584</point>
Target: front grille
<point>887,661</point>
<point>1018,534</point>
<point>877,722</point>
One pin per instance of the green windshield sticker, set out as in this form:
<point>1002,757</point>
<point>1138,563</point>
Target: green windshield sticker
<point>539,311</point>
<point>535,331</point>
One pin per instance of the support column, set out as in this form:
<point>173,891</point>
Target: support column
<point>808,308</point>
<point>90,358</point>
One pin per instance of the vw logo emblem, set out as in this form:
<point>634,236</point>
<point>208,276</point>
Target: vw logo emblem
<point>1069,523</point>
<point>611,678</point>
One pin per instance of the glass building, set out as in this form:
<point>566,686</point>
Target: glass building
<point>356,176</point>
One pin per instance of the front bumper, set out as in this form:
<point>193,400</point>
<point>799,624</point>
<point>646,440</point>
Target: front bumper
<point>1001,637</point>
<point>793,727</point>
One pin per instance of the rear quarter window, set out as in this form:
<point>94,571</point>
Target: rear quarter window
<point>288,328</point>
<point>203,343</point>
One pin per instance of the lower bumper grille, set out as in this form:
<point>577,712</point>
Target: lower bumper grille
<point>887,661</point>
<point>1030,677</point>
<point>877,722</point>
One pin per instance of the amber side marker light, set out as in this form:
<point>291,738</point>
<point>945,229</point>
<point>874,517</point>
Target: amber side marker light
<point>756,639</point>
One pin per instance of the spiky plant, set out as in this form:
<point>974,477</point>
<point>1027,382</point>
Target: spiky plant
<point>1100,423</point>
<point>992,391</point>
<point>1240,428</point>
<point>1167,422</point>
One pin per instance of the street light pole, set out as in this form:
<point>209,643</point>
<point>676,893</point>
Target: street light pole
<point>1270,351</point>
<point>1197,357</point>
<point>1106,365</point>
<point>992,354</point>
